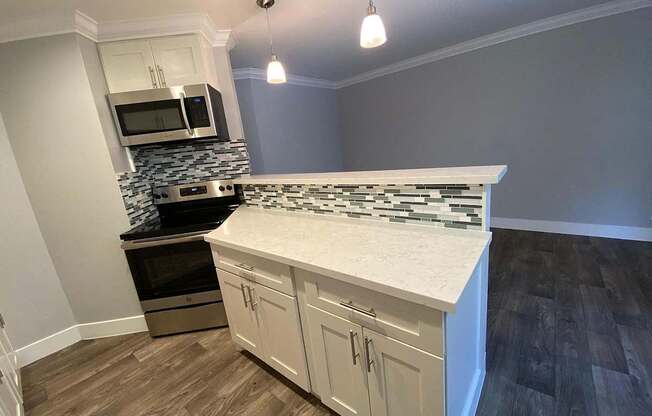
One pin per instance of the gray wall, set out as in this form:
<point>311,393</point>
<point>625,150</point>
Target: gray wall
<point>569,110</point>
<point>57,139</point>
<point>289,128</point>
<point>31,297</point>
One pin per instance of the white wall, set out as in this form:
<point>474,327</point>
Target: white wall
<point>58,143</point>
<point>32,300</point>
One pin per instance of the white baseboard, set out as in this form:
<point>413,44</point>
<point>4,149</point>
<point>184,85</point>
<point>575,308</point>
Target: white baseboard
<point>62,339</point>
<point>113,327</point>
<point>575,228</point>
<point>48,345</point>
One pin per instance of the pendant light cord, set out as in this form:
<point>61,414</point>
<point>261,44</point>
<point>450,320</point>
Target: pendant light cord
<point>269,31</point>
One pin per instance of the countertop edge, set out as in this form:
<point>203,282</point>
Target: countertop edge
<point>376,177</point>
<point>354,280</point>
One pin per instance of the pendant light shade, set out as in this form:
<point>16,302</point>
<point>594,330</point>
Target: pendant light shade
<point>372,33</point>
<point>275,72</point>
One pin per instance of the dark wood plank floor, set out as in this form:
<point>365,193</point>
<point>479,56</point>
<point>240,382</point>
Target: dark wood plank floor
<point>570,326</point>
<point>569,333</point>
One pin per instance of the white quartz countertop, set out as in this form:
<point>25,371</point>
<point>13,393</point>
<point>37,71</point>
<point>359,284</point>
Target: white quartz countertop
<point>452,175</point>
<point>424,265</point>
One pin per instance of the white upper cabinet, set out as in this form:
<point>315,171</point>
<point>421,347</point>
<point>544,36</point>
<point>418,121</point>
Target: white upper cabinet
<point>178,60</point>
<point>128,65</point>
<point>153,63</point>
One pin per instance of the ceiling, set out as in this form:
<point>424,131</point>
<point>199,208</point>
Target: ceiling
<point>321,39</point>
<point>225,13</point>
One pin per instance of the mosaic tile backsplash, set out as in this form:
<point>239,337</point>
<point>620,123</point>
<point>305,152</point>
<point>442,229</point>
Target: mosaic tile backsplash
<point>453,206</point>
<point>177,163</point>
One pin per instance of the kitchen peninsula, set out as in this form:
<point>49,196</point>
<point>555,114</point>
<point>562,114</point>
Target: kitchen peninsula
<point>367,289</point>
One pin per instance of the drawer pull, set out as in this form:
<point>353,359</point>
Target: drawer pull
<point>351,306</point>
<point>245,267</point>
<point>367,341</point>
<point>354,355</point>
<point>244,297</point>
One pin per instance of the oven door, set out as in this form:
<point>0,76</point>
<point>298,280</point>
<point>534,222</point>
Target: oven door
<point>179,269</point>
<point>162,114</point>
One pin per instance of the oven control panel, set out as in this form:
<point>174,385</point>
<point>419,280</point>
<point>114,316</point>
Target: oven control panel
<point>192,191</point>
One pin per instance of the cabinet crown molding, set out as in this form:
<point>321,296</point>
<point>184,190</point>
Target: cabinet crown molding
<point>88,27</point>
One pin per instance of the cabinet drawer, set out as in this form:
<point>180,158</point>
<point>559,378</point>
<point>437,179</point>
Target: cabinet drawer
<point>265,272</point>
<point>413,324</point>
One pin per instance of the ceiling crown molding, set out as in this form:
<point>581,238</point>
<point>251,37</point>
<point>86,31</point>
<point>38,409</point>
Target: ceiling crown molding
<point>543,25</point>
<point>163,26</point>
<point>88,27</point>
<point>261,75</point>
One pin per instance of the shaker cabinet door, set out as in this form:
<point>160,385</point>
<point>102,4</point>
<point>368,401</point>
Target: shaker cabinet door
<point>9,403</point>
<point>178,60</point>
<point>280,328</point>
<point>236,294</point>
<point>403,380</point>
<point>339,363</point>
<point>128,65</point>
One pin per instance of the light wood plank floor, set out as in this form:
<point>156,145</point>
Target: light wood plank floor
<point>134,375</point>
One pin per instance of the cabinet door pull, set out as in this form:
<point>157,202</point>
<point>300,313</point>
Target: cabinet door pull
<point>354,355</point>
<point>161,76</point>
<point>1,376</point>
<point>244,297</point>
<point>2,321</point>
<point>153,77</point>
<point>245,267</point>
<point>252,301</point>
<point>367,341</point>
<point>351,306</point>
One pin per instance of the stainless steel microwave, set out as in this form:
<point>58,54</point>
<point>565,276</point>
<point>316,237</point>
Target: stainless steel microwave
<point>169,114</point>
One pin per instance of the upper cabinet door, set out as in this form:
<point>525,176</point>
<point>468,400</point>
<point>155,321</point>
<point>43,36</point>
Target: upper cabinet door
<point>236,294</point>
<point>339,363</point>
<point>178,60</point>
<point>280,328</point>
<point>128,65</point>
<point>403,380</point>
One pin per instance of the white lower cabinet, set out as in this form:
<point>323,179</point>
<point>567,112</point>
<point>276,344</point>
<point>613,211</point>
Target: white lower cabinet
<point>403,380</point>
<point>362,372</point>
<point>339,363</point>
<point>266,323</point>
<point>243,324</point>
<point>280,330</point>
<point>11,401</point>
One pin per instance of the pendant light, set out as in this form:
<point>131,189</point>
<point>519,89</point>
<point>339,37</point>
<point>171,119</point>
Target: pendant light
<point>372,33</point>
<point>275,70</point>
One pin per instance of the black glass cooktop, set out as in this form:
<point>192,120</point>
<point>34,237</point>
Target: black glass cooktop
<point>181,221</point>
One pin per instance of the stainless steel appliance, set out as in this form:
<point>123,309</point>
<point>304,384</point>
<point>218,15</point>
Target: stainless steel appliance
<point>172,265</point>
<point>168,114</point>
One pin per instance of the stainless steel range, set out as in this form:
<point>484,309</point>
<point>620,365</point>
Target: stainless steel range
<point>171,264</point>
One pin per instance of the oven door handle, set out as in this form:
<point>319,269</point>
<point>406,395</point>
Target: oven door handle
<point>154,242</point>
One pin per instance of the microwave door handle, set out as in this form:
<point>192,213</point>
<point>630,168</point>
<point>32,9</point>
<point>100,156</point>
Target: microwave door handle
<point>182,99</point>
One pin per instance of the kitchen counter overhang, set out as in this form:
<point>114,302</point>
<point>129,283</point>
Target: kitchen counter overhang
<point>424,265</point>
